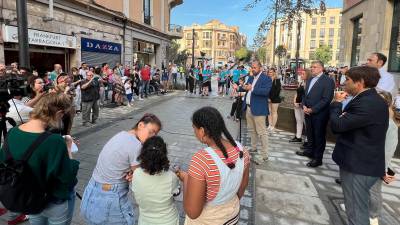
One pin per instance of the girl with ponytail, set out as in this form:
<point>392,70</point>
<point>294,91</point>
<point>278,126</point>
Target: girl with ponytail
<point>218,175</point>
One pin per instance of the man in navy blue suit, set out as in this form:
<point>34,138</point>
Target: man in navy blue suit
<point>255,104</point>
<point>318,96</point>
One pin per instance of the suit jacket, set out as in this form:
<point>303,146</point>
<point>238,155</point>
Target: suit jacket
<point>320,95</point>
<point>361,129</point>
<point>259,95</point>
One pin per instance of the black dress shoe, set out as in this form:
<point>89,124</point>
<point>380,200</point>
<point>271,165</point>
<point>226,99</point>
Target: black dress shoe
<point>338,181</point>
<point>314,163</point>
<point>304,153</point>
<point>305,147</point>
<point>295,140</point>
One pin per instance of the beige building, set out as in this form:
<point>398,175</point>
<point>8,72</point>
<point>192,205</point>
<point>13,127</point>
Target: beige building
<point>92,31</point>
<point>316,30</point>
<point>371,26</point>
<point>217,40</point>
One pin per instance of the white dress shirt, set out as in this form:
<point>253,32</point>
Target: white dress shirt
<point>386,83</point>
<point>248,96</point>
<point>313,81</point>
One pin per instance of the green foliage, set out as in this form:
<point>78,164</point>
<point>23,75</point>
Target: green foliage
<point>323,53</point>
<point>242,53</point>
<point>262,54</point>
<point>176,56</point>
<point>280,51</point>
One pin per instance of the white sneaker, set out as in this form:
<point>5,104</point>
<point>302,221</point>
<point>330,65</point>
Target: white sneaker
<point>342,207</point>
<point>373,221</point>
<point>141,99</point>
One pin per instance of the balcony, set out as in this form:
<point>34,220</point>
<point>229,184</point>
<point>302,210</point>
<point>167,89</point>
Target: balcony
<point>175,31</point>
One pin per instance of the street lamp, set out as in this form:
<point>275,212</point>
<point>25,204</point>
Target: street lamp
<point>23,43</point>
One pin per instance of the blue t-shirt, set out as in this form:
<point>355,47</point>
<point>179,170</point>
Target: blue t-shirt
<point>236,75</point>
<point>196,73</point>
<point>222,76</point>
<point>243,73</point>
<point>206,74</point>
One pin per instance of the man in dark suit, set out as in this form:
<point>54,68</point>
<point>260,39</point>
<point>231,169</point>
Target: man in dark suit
<point>360,145</point>
<point>255,104</point>
<point>318,96</point>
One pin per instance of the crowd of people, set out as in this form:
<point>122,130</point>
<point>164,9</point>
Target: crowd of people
<point>359,102</point>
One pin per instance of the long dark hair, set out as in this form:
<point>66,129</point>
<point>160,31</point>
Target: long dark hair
<point>149,118</point>
<point>214,126</point>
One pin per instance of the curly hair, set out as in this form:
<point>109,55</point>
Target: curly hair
<point>154,156</point>
<point>214,126</point>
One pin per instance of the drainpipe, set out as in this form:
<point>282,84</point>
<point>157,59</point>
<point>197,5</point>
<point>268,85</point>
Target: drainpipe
<point>50,17</point>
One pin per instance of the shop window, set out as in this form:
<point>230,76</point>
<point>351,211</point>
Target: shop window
<point>394,51</point>
<point>147,12</point>
<point>356,42</point>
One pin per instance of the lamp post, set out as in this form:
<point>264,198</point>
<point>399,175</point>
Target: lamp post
<point>193,46</point>
<point>23,44</point>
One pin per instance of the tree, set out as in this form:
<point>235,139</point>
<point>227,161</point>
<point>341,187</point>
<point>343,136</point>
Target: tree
<point>323,53</point>
<point>242,53</point>
<point>291,10</point>
<point>262,54</point>
<point>173,51</point>
<point>281,52</point>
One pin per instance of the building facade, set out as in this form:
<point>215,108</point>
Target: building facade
<point>217,40</point>
<point>371,26</point>
<point>316,30</point>
<point>91,31</point>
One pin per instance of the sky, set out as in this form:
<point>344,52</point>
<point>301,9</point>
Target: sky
<point>230,12</point>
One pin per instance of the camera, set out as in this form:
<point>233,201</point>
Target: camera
<point>12,84</point>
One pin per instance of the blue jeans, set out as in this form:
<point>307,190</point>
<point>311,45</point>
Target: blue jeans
<point>112,205</point>
<point>356,191</point>
<point>144,88</point>
<point>55,213</point>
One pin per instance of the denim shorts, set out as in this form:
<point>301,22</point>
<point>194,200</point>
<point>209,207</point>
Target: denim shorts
<point>107,206</point>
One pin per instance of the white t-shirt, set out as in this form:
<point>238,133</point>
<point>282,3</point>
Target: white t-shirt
<point>23,110</point>
<point>174,69</point>
<point>83,73</point>
<point>128,88</point>
<point>116,158</point>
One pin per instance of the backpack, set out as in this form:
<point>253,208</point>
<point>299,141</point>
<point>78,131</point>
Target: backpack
<point>20,190</point>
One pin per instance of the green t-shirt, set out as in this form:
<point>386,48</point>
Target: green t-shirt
<point>49,162</point>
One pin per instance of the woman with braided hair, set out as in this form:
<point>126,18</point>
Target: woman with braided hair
<point>218,175</point>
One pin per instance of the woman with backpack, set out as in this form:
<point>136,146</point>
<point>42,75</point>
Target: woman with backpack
<point>218,175</point>
<point>51,166</point>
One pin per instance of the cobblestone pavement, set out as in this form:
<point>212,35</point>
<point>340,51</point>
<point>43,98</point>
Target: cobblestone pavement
<point>289,193</point>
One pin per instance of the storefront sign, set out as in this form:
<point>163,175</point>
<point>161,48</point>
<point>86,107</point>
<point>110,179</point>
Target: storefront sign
<point>91,45</point>
<point>37,37</point>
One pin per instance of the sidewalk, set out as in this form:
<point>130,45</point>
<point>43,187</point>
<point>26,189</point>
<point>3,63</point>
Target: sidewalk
<point>289,192</point>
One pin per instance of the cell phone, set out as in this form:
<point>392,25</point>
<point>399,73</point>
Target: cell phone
<point>390,172</point>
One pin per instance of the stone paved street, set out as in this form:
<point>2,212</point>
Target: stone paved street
<point>282,191</point>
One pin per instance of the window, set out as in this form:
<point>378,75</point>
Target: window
<point>207,44</point>
<point>207,35</point>
<point>331,32</point>
<point>314,21</point>
<point>394,51</point>
<point>356,42</point>
<point>313,33</point>
<point>147,12</point>
<point>312,44</point>
<point>321,43</point>
<point>322,32</point>
<point>330,43</point>
<point>337,56</point>
<point>323,20</point>
<point>189,35</point>
<point>332,20</point>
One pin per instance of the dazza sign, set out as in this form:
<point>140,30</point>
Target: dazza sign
<point>91,45</point>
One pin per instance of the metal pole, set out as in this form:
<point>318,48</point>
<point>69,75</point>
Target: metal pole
<point>274,44</point>
<point>193,46</point>
<point>23,43</point>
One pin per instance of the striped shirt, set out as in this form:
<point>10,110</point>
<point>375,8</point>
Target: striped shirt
<point>202,167</point>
